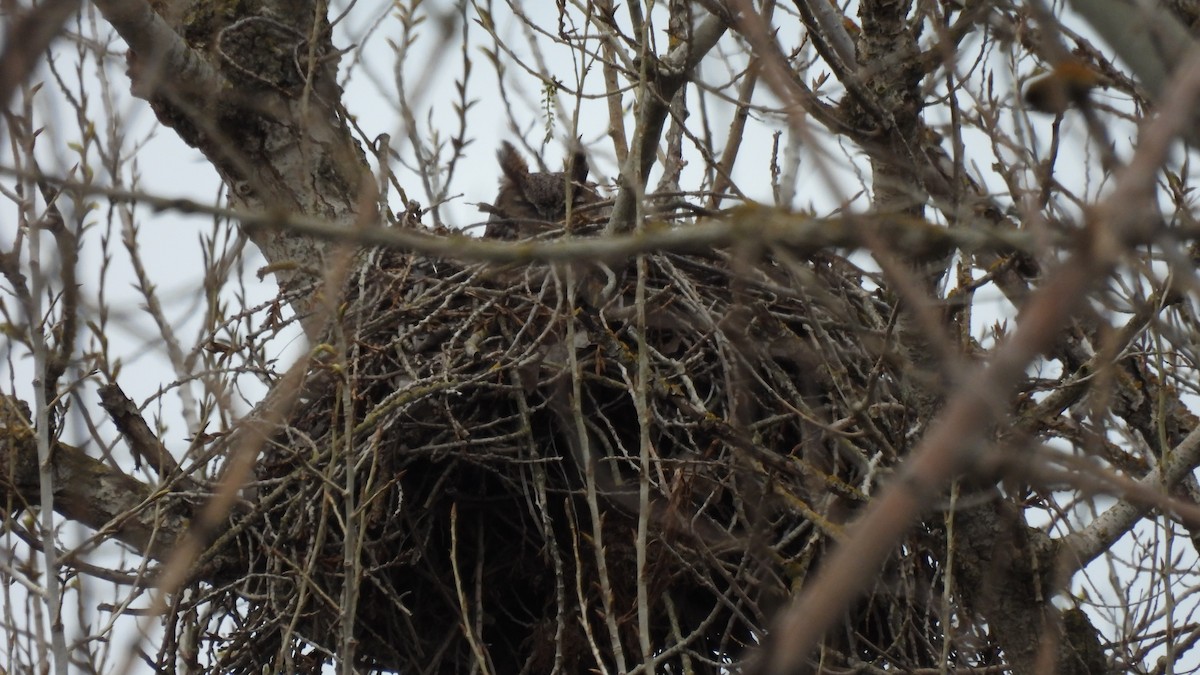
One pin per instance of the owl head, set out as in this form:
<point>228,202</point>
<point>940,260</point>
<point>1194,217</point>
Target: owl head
<point>532,202</point>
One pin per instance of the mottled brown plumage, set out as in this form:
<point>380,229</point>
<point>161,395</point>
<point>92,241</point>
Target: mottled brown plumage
<point>531,203</point>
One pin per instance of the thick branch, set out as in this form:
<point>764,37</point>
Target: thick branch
<point>752,223</point>
<point>270,126</point>
<point>1004,572</point>
<point>86,490</point>
<point>1099,536</point>
<point>666,78</point>
<point>138,435</point>
<point>149,36</point>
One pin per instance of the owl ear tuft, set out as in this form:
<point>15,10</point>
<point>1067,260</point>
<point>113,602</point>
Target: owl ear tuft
<point>577,165</point>
<point>512,163</point>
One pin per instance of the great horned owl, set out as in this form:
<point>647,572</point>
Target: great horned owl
<point>529,203</point>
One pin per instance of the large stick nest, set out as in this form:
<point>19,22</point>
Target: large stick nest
<point>474,461</point>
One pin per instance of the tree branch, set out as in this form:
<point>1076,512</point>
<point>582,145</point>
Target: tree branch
<point>86,490</point>
<point>175,64</point>
<point>664,79</point>
<point>137,434</point>
<point>1083,546</point>
<point>25,40</point>
<point>953,444</point>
